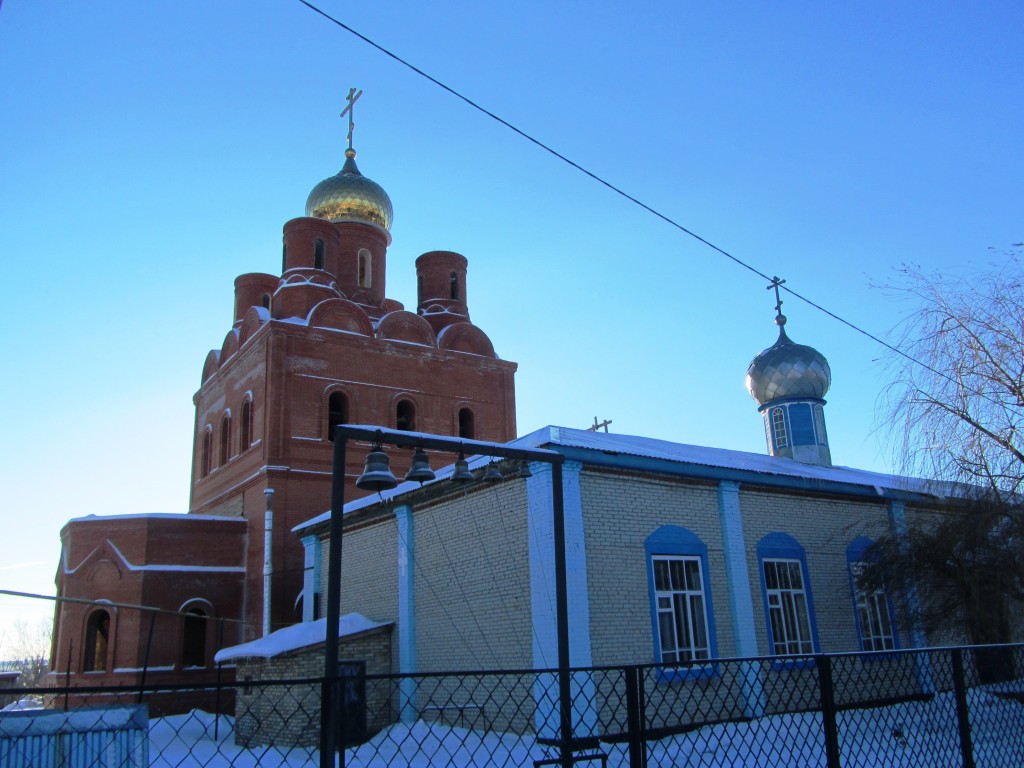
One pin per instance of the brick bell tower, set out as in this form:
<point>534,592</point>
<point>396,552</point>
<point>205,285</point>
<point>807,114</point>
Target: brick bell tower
<point>320,345</point>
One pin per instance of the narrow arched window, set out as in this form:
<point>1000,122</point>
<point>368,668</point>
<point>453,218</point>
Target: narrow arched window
<point>819,423</point>
<point>206,461</point>
<point>365,268</point>
<point>454,280</point>
<point>245,428</point>
<point>225,439</point>
<point>284,257</point>
<point>466,424</point>
<point>97,638</point>
<point>265,301</point>
<point>318,254</point>
<point>405,417</point>
<point>779,427</point>
<point>193,639</point>
<point>337,412</point>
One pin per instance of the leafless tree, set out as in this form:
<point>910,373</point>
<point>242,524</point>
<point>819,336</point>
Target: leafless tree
<point>955,413</point>
<point>959,404</point>
<point>965,563</point>
<point>28,645</point>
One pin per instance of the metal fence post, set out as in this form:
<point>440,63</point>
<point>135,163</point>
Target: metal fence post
<point>828,710</point>
<point>960,691</point>
<point>635,718</point>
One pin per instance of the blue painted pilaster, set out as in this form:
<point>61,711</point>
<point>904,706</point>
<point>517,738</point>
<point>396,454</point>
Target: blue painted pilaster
<point>540,534</point>
<point>310,575</point>
<point>407,708</point>
<point>741,600</point>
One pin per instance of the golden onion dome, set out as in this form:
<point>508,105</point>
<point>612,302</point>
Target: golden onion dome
<point>350,196</point>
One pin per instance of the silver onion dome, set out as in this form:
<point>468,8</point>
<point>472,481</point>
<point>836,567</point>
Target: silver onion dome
<point>787,371</point>
<point>350,196</point>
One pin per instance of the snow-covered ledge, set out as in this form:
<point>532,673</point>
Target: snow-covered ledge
<point>297,637</point>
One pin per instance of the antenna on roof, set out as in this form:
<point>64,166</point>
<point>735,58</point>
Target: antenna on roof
<point>596,427</point>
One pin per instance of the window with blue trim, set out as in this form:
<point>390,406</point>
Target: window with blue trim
<point>789,608</point>
<point>681,615</point>
<point>872,607</point>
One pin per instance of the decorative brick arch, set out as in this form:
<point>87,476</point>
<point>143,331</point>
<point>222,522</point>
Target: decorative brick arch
<point>341,315</point>
<point>406,326</point>
<point>230,345</point>
<point>465,337</point>
<point>212,364</point>
<point>252,321</point>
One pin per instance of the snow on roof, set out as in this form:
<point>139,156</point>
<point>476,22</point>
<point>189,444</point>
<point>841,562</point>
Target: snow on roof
<point>610,445</point>
<point>153,515</point>
<point>297,636</point>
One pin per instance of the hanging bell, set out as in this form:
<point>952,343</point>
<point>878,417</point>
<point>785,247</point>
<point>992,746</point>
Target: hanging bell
<point>493,474</point>
<point>524,469</point>
<point>462,473</point>
<point>377,473</point>
<point>420,470</point>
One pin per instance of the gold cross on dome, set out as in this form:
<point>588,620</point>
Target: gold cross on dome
<point>352,98</point>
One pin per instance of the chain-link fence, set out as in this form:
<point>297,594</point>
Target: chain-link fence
<point>941,708</point>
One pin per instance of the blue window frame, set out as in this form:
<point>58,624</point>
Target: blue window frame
<point>872,608</point>
<point>682,619</point>
<point>788,602</point>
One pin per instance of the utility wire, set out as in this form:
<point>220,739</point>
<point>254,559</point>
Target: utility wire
<point>667,219</point>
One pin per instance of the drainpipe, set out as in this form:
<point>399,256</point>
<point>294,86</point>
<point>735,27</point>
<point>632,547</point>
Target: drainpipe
<point>268,568</point>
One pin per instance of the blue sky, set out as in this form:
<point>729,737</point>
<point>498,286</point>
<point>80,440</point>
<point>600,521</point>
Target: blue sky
<point>150,152</point>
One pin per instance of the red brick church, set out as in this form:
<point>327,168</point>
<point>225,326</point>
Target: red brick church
<point>317,345</point>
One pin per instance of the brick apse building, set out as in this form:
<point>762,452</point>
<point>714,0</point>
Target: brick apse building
<point>317,345</point>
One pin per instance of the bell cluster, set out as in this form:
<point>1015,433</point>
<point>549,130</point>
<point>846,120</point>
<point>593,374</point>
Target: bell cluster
<point>377,475</point>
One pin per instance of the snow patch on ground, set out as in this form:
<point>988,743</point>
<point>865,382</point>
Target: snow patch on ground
<point>910,735</point>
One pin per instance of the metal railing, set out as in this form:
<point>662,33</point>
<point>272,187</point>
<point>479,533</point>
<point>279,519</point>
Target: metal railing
<point>936,707</point>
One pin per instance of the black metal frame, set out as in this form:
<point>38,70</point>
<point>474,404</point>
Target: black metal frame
<point>330,700</point>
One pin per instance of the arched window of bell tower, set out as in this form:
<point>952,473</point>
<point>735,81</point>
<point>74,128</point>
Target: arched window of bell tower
<point>318,254</point>
<point>265,301</point>
<point>365,278</point>
<point>405,416</point>
<point>467,425</point>
<point>454,281</point>
<point>284,257</point>
<point>97,638</point>
<point>337,412</point>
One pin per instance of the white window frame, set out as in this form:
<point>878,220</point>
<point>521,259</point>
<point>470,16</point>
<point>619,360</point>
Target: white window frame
<point>682,610</point>
<point>788,607</point>
<point>873,616</point>
<point>778,415</point>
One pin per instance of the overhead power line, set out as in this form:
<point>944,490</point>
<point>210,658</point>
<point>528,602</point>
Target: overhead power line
<point>617,190</point>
